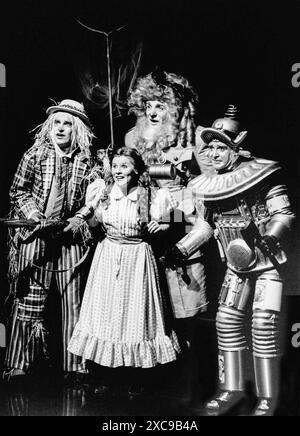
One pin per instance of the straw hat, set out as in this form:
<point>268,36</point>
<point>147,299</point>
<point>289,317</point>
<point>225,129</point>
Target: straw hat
<point>72,107</point>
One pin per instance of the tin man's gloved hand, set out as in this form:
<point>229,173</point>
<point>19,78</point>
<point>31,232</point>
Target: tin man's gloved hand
<point>271,242</point>
<point>172,258</point>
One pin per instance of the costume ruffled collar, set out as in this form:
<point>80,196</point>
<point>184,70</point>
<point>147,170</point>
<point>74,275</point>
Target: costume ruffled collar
<point>117,194</point>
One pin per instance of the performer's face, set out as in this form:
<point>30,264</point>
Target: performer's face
<point>123,172</point>
<point>220,155</point>
<point>62,129</point>
<point>156,112</point>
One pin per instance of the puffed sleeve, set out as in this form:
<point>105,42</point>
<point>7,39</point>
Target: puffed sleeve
<point>94,193</point>
<point>162,204</point>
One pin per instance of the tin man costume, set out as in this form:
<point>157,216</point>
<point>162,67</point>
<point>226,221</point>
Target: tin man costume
<point>249,210</point>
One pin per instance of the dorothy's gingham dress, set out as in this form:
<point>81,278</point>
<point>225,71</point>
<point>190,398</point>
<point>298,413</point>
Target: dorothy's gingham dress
<point>122,320</point>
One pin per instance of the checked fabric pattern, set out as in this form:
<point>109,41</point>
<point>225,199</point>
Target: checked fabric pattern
<point>62,182</point>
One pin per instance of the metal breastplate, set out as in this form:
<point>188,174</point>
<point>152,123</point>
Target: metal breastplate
<point>235,220</point>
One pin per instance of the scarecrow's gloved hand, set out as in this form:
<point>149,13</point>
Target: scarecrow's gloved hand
<point>75,223</point>
<point>37,216</point>
<point>33,233</point>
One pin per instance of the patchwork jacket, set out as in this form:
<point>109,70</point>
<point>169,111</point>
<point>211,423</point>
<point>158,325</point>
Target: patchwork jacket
<point>31,186</point>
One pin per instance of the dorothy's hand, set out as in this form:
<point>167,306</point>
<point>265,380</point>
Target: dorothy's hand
<point>153,227</point>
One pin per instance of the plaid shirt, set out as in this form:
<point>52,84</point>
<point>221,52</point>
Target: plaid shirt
<point>32,181</point>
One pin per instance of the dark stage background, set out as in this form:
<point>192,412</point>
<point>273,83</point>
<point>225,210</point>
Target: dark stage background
<point>232,51</point>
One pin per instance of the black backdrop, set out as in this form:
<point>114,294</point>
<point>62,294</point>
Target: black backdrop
<point>232,51</point>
